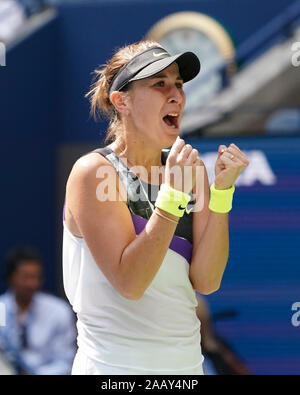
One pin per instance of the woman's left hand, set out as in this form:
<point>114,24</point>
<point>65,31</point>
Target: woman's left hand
<point>230,163</point>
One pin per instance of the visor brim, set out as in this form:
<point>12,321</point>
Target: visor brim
<point>188,64</point>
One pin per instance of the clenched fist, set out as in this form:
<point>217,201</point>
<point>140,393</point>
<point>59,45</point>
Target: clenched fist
<point>230,163</point>
<point>181,166</point>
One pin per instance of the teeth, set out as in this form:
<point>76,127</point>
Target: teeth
<point>173,115</point>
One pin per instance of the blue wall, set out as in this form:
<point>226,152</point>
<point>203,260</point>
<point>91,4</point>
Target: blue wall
<point>29,131</point>
<point>262,278</point>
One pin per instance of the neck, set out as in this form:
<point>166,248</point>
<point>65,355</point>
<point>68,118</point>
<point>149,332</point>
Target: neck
<point>139,153</point>
<point>22,304</point>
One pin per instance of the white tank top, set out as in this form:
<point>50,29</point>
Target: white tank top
<point>158,332</point>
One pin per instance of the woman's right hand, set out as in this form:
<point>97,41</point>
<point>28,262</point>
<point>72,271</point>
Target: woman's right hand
<point>181,164</point>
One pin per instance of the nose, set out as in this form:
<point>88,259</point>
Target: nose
<point>175,95</point>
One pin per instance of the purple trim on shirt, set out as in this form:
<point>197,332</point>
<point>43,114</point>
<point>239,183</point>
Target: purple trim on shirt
<point>178,244</point>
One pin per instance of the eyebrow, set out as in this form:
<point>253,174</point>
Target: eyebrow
<point>161,75</point>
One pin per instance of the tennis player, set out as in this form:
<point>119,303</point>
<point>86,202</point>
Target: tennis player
<point>139,237</point>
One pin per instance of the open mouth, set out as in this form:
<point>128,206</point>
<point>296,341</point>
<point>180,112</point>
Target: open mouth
<point>171,120</point>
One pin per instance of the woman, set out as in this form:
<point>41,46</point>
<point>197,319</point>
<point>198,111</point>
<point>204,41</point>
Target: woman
<point>133,253</point>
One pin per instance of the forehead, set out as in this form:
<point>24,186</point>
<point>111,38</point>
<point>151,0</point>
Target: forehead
<point>28,266</point>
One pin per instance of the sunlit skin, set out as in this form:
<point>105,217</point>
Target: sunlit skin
<point>146,103</point>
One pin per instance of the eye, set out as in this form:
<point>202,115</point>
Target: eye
<point>160,83</point>
<point>179,85</point>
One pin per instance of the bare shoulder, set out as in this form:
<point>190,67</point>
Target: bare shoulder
<point>93,183</point>
<point>90,170</point>
<point>88,165</point>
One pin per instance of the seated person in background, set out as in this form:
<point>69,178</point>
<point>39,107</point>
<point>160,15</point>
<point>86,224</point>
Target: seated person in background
<point>39,333</point>
<point>33,6</point>
<point>12,17</point>
<point>219,358</point>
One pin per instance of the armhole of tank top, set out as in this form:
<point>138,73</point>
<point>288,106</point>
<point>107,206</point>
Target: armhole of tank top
<point>78,240</point>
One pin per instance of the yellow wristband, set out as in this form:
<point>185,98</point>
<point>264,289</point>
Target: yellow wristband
<point>171,200</point>
<point>221,199</point>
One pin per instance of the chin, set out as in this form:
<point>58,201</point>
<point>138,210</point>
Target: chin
<point>166,137</point>
<point>172,138</point>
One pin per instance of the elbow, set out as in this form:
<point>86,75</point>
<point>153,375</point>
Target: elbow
<point>206,288</point>
<point>131,293</point>
<point>127,287</point>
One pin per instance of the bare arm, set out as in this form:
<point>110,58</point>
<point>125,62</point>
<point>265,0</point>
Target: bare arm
<point>210,246</point>
<point>211,255</point>
<point>210,229</point>
<point>129,262</point>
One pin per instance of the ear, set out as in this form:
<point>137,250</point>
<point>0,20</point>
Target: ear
<point>120,102</point>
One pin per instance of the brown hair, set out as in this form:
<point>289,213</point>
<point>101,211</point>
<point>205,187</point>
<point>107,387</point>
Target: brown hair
<point>98,94</point>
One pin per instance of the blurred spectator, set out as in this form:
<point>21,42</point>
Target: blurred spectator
<point>39,333</point>
<point>284,122</point>
<point>12,17</point>
<point>32,6</point>
<point>219,357</point>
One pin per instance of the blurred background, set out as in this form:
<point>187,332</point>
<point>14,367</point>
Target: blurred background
<point>248,93</point>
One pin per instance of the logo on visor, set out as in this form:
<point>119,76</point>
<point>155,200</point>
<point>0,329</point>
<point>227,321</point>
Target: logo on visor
<point>160,53</point>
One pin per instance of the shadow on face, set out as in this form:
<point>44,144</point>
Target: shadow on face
<point>26,280</point>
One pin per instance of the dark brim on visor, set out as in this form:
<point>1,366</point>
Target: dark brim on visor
<point>151,62</point>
